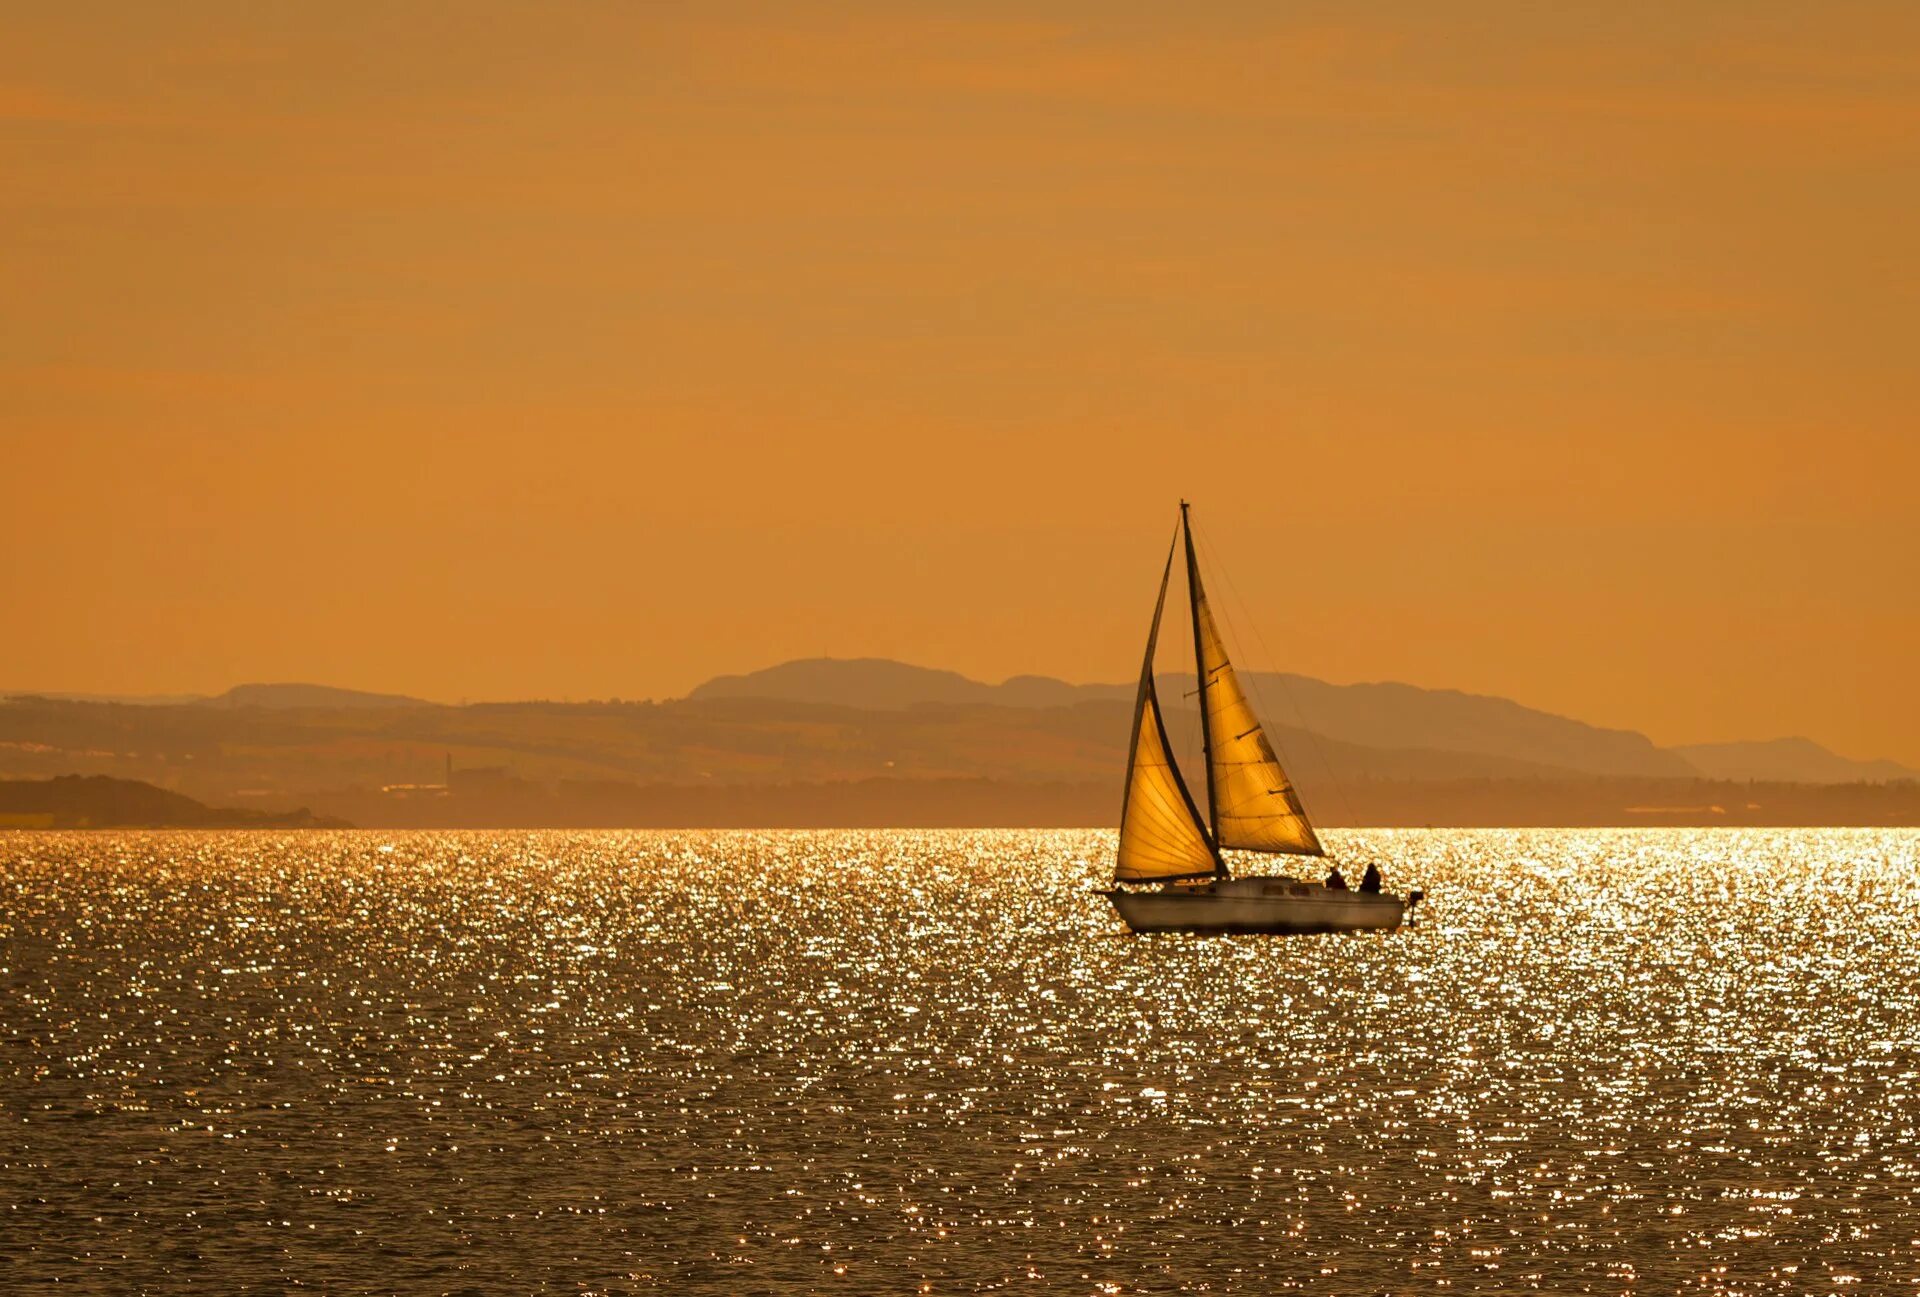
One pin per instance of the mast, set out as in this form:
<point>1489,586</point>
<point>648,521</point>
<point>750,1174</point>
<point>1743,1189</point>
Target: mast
<point>1200,670</point>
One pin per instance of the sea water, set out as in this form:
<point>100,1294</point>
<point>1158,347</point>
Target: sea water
<point>1603,1061</point>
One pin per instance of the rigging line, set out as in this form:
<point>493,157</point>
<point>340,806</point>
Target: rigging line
<point>1313,735</point>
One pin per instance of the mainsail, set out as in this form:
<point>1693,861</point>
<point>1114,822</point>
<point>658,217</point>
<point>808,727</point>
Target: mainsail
<point>1161,836</point>
<point>1253,803</point>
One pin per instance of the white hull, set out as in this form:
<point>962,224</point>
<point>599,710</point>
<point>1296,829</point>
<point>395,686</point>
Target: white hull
<point>1257,905</point>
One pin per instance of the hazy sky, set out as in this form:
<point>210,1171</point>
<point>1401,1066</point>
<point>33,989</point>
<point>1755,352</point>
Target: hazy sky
<point>1565,352</point>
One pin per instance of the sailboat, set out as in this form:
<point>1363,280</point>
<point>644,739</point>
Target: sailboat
<point>1165,843</point>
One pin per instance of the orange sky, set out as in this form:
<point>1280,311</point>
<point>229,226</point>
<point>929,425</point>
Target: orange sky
<point>1561,352</point>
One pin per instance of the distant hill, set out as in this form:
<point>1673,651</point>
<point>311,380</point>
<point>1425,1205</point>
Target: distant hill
<point>1410,731</point>
<point>848,682</point>
<point>251,695</point>
<point>881,683</point>
<point>1372,715</point>
<point>125,700</point>
<point>1794,760</point>
<point>97,802</point>
<point>1407,716</point>
<point>766,761</point>
<point>302,695</point>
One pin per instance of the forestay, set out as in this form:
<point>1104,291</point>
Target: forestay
<point>1161,836</point>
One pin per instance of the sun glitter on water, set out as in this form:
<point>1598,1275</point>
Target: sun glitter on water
<point>727,1062</point>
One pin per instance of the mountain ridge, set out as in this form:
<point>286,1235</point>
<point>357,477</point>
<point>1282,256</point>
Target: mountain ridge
<point>830,719</point>
<point>270,696</point>
<point>752,760</point>
<point>1796,757</point>
<point>291,695</point>
<point>1377,714</point>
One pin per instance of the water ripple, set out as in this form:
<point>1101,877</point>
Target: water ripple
<point>1672,1061</point>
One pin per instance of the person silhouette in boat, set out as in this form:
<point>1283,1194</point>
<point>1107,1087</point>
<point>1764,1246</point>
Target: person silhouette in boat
<point>1336,881</point>
<point>1370,881</point>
